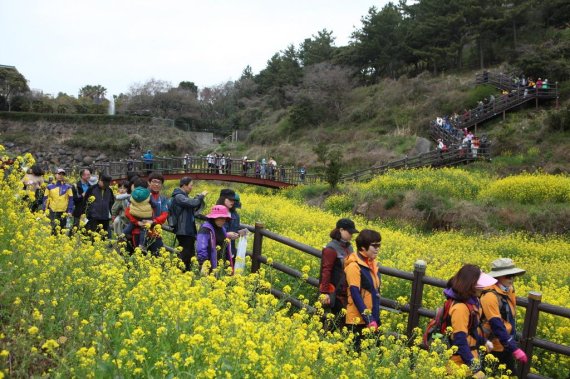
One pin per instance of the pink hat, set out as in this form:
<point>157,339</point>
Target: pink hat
<point>220,211</point>
<point>485,280</point>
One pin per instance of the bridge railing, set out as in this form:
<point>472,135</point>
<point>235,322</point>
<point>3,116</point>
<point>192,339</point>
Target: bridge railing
<point>533,305</point>
<point>202,165</point>
<point>506,82</point>
<point>455,155</point>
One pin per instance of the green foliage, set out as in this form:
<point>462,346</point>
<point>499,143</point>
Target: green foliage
<point>479,93</point>
<point>306,192</point>
<point>559,120</point>
<point>322,151</point>
<point>304,114</point>
<point>333,168</point>
<point>341,203</point>
<point>75,118</point>
<point>319,48</point>
<point>12,83</point>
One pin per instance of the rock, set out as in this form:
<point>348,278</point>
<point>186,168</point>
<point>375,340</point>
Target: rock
<point>361,209</point>
<point>101,157</point>
<point>87,160</point>
<point>78,157</point>
<point>423,145</point>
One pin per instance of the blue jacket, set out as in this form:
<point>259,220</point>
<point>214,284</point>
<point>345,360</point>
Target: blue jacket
<point>184,207</point>
<point>206,246</point>
<point>233,224</point>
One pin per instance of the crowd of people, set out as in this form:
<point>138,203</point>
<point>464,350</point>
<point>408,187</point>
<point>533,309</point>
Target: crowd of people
<point>132,215</point>
<point>220,163</point>
<point>482,314</point>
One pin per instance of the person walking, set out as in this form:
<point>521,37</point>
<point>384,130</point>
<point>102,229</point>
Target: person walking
<point>97,203</point>
<point>499,313</point>
<point>33,183</point>
<point>183,209</point>
<point>119,208</point>
<point>79,189</point>
<point>159,216</point>
<point>363,279</point>
<point>229,199</point>
<point>58,200</point>
<point>464,288</point>
<point>332,283</point>
<point>212,242</point>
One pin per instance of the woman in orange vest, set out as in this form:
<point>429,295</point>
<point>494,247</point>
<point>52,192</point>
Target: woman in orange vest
<point>499,310</point>
<point>464,288</point>
<point>363,309</point>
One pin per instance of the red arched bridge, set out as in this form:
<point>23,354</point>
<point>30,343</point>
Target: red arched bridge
<point>204,168</point>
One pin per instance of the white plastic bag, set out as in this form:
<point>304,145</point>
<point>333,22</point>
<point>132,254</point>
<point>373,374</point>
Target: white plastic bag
<point>240,255</point>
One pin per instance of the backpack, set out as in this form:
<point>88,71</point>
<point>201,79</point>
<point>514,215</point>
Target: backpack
<point>505,311</point>
<point>437,327</point>
<point>173,214</point>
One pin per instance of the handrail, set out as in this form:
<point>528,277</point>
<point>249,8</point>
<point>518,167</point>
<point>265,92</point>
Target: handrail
<point>455,155</point>
<point>204,168</point>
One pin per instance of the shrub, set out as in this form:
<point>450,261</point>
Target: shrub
<point>341,203</point>
<point>529,189</point>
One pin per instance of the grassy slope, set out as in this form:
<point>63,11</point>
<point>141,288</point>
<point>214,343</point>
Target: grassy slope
<point>382,123</point>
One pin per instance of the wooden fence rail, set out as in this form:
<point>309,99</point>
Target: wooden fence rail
<point>532,303</point>
<point>454,156</point>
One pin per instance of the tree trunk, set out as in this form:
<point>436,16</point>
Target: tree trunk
<point>481,62</point>
<point>514,33</point>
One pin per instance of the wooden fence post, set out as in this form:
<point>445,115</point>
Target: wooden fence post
<point>257,245</point>
<point>529,331</point>
<point>416,296</point>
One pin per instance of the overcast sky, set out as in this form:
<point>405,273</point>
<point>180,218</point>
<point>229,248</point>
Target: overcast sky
<point>62,45</point>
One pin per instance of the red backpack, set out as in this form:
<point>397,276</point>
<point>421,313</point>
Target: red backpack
<point>437,327</point>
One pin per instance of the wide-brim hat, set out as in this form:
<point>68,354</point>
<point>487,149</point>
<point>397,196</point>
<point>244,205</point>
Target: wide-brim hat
<point>219,211</point>
<point>503,267</point>
<point>485,280</point>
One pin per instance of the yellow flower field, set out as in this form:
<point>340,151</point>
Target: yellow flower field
<point>69,308</point>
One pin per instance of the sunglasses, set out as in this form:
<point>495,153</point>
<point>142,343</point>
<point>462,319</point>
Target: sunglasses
<point>376,245</point>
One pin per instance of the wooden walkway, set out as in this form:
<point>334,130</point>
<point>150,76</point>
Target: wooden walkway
<point>200,168</point>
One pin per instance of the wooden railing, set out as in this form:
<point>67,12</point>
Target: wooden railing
<point>532,303</point>
<point>201,165</point>
<point>455,155</point>
<point>517,95</point>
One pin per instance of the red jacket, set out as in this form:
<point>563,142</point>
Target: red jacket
<point>159,217</point>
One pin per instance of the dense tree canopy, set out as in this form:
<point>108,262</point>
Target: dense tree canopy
<point>11,83</point>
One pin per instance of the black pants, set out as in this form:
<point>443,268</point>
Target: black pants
<point>188,249</point>
<point>338,317</point>
<point>92,225</point>
<point>505,358</point>
<point>57,219</point>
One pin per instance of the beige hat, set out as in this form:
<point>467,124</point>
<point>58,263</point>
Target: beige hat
<point>503,267</point>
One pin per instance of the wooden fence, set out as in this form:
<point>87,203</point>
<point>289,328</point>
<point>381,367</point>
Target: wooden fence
<point>532,303</point>
<point>454,156</point>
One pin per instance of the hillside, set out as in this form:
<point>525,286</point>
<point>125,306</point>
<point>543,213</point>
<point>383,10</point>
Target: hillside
<point>377,123</point>
<point>388,120</point>
<point>72,144</point>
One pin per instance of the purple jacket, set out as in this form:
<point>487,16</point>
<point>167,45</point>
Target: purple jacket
<point>206,246</point>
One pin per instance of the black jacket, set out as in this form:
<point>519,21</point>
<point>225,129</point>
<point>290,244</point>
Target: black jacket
<point>100,208</point>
